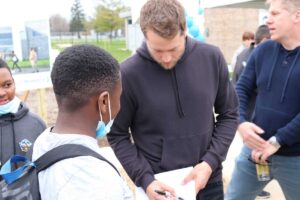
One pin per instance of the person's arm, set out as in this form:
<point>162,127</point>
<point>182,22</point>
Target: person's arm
<point>137,167</point>
<point>289,134</point>
<point>245,88</point>
<point>35,56</point>
<point>238,69</point>
<point>285,136</point>
<point>226,110</point>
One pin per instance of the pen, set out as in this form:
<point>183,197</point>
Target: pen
<point>166,194</point>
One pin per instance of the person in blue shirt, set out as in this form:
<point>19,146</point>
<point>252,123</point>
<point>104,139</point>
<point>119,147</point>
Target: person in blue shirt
<point>273,70</point>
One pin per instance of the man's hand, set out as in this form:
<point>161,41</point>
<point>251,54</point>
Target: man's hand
<point>200,173</point>
<point>156,185</point>
<point>261,156</point>
<point>249,132</point>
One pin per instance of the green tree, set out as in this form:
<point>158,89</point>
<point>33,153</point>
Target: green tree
<point>77,18</point>
<point>107,17</point>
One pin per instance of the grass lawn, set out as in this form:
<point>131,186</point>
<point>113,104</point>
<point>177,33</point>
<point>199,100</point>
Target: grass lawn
<point>117,47</point>
<point>26,63</point>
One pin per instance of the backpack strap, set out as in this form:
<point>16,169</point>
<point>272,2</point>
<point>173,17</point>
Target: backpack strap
<point>10,175</point>
<point>66,151</point>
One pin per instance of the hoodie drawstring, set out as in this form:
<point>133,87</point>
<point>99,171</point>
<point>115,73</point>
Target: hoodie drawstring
<point>1,148</point>
<point>14,139</point>
<point>176,91</point>
<point>288,76</point>
<point>14,134</point>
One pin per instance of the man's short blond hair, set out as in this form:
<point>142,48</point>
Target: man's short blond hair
<point>165,17</point>
<point>291,5</point>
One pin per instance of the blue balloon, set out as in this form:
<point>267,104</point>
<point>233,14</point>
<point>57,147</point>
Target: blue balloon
<point>194,31</point>
<point>200,11</point>
<point>189,21</point>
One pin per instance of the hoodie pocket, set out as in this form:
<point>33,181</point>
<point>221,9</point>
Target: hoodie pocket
<point>184,151</point>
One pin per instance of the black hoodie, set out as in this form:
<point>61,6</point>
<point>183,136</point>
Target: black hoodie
<point>16,127</point>
<point>171,113</point>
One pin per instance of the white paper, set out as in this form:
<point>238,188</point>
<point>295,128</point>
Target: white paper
<point>174,179</point>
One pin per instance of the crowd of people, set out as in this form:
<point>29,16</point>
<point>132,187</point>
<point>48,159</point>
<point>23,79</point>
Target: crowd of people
<point>170,105</point>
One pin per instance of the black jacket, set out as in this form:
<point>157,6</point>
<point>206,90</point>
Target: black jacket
<point>240,65</point>
<point>17,127</point>
<point>171,113</point>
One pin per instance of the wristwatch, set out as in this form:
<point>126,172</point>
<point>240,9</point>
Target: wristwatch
<point>273,141</point>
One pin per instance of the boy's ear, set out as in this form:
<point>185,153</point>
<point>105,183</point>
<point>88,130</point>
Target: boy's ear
<point>103,101</point>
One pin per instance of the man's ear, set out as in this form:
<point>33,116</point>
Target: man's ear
<point>185,32</point>
<point>103,102</point>
<point>297,16</point>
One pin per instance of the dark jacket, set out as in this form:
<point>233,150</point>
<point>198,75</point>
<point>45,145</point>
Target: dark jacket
<point>171,113</point>
<point>274,72</point>
<point>16,127</point>
<point>240,65</point>
<point>241,62</point>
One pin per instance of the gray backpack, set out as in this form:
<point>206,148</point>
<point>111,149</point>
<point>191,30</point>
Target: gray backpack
<point>22,183</point>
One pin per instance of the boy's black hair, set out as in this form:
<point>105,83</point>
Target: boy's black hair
<point>3,64</point>
<point>80,72</point>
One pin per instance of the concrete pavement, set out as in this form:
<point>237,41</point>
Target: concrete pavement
<point>29,70</point>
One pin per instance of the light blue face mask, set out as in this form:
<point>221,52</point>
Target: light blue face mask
<point>103,129</point>
<point>10,107</point>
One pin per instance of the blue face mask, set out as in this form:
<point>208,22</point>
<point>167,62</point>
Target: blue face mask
<point>103,129</point>
<point>10,107</point>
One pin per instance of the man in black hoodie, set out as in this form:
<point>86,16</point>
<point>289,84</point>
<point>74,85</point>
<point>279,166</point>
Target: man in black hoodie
<point>172,88</point>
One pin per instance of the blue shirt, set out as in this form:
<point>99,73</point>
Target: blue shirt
<point>275,73</point>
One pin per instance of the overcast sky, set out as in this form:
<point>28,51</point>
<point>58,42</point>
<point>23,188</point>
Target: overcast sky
<point>13,11</point>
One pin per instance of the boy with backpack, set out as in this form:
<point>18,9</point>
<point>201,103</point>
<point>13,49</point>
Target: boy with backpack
<point>87,86</point>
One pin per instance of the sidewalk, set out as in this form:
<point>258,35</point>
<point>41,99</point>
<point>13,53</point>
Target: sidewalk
<point>30,70</point>
<point>228,166</point>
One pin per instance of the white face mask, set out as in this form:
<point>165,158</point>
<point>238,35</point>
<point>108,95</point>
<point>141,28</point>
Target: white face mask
<point>10,107</point>
<point>103,129</point>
